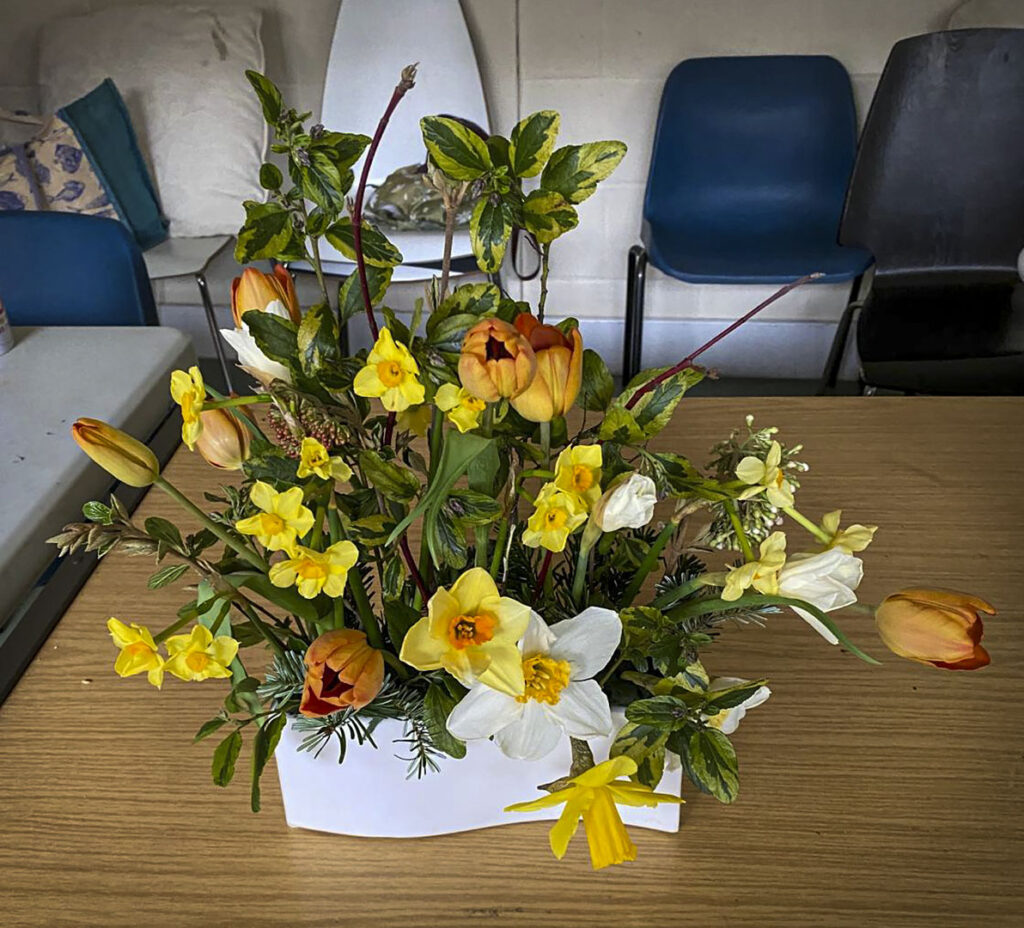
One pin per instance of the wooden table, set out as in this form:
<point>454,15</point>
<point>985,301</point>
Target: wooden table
<point>870,796</point>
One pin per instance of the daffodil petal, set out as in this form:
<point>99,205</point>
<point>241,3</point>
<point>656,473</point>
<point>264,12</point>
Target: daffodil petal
<point>533,735</point>
<point>420,649</point>
<point>587,641</point>
<point>482,712</point>
<point>505,669</point>
<point>582,710</point>
<point>563,830</point>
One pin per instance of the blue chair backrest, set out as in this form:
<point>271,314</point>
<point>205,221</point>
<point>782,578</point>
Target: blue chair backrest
<point>66,269</point>
<point>745,144</point>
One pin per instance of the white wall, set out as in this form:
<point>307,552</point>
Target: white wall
<point>601,63</point>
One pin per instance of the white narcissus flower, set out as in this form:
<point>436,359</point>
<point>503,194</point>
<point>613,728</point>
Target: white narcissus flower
<point>629,504</point>
<point>728,720</point>
<point>560,697</point>
<point>826,580</point>
<point>250,358</point>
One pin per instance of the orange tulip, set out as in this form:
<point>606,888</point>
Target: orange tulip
<point>224,440</point>
<point>559,370</point>
<point>496,361</point>
<point>254,290</point>
<point>342,672</point>
<point>120,455</point>
<point>937,627</point>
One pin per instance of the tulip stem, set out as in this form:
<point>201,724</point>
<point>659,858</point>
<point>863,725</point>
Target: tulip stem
<point>580,576</point>
<point>741,534</point>
<point>231,401</point>
<point>545,443</point>
<point>499,547</point>
<point>815,530</point>
<point>545,255</point>
<point>238,547</point>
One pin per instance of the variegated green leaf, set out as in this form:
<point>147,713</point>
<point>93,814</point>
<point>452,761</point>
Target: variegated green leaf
<point>476,300</point>
<point>350,293</point>
<point>532,142</point>
<point>646,745</point>
<point>709,760</point>
<point>317,338</point>
<point>574,171</point>
<point>266,232</point>
<point>489,229</point>
<point>459,152</point>
<point>547,215</point>
<point>377,250</point>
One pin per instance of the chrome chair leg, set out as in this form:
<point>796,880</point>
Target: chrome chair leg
<point>218,345</point>
<point>830,375</point>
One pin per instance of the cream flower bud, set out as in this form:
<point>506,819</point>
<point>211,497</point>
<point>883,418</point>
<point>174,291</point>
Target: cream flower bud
<point>628,504</point>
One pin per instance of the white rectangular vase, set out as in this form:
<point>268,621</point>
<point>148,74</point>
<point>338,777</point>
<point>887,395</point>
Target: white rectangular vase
<point>369,795</point>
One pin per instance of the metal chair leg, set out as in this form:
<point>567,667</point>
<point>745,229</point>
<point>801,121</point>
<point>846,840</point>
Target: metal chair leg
<point>830,375</point>
<point>632,347</point>
<point>211,319</point>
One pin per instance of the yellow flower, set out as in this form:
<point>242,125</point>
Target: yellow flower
<point>120,455</point>
<point>415,419</point>
<point>593,795</point>
<point>390,374</point>
<point>313,572</point>
<point>851,540</point>
<point>199,656</point>
<point>556,516</point>
<point>768,476</point>
<point>283,520</point>
<point>189,392</point>
<point>314,459</point>
<point>578,470</point>
<point>138,652</point>
<point>462,408</point>
<point>471,631</point>
<point>762,574</point>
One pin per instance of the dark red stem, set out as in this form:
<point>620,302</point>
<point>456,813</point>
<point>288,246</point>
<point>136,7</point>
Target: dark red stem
<point>404,85</point>
<point>542,576</point>
<point>414,572</point>
<point>689,359</point>
<point>389,427</point>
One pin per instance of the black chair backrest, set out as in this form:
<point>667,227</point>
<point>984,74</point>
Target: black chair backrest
<point>938,182</point>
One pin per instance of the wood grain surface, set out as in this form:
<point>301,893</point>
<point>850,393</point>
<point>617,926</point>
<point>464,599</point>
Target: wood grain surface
<point>869,797</point>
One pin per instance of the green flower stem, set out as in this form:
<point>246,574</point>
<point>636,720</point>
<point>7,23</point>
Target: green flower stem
<point>334,534</point>
<point>545,443</point>
<point>230,401</point>
<point>545,261</point>
<point>171,629</point>
<point>436,437</point>
<point>815,530</point>
<point>648,564</point>
<point>355,584</point>
<point>579,577</point>
<point>607,675</point>
<point>499,547</point>
<point>741,534</point>
<point>396,664</point>
<point>245,420</point>
<point>316,536</point>
<point>261,626</point>
<point>238,547</point>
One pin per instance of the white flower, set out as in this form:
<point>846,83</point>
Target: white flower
<point>825,580</point>
<point>728,720</point>
<point>560,696</point>
<point>629,504</point>
<point>250,358</point>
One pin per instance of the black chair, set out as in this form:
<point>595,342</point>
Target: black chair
<point>937,195</point>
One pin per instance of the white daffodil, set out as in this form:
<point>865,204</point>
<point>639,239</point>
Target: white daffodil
<point>250,358</point>
<point>560,696</point>
<point>628,504</point>
<point>826,580</point>
<point>766,476</point>
<point>728,720</point>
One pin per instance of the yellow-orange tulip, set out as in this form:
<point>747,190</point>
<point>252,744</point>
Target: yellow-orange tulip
<point>342,672</point>
<point>254,290</point>
<point>120,455</point>
<point>937,627</point>
<point>224,440</point>
<point>496,361</point>
<point>559,370</point>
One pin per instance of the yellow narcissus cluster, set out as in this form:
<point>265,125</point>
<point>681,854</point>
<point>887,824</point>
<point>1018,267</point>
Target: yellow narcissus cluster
<point>390,375</point>
<point>563,504</point>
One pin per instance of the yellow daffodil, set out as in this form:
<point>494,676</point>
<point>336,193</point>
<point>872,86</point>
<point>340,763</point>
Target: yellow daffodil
<point>462,408</point>
<point>314,460</point>
<point>283,520</point>
<point>766,476</point>
<point>556,516</point>
<point>138,652</point>
<point>471,631</point>
<point>852,539</point>
<point>762,574</point>
<point>593,796</point>
<point>199,655</point>
<point>312,572</point>
<point>390,375</point>
<point>578,470</point>
<point>189,392</point>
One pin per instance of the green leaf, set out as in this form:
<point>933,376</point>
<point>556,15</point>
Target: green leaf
<point>709,760</point>
<point>377,250</point>
<point>490,226</point>
<point>268,94</point>
<point>317,339</point>
<point>459,152</point>
<point>161,530</point>
<point>620,426</point>
<point>732,696</point>
<point>277,338</point>
<point>532,142</point>
<point>575,170</point>
<point>287,598</point>
<point>166,576</point>
<point>400,617</point>
<point>263,747</point>
<point>223,767</point>
<point>547,214</point>
<point>344,149</point>
<point>597,384</point>
<point>472,507</point>
<point>475,300</point>
<point>393,480</point>
<point>208,728</point>
<point>392,577</point>
<point>319,179</point>
<point>350,294</point>
<point>266,232</point>
<point>270,176</point>
<point>437,706</point>
<point>664,712</point>
<point>653,411</point>
<point>97,512</point>
<point>645,744</point>
<point>446,540</point>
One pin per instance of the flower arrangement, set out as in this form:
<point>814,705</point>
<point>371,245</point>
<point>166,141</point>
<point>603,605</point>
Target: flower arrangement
<point>544,592</point>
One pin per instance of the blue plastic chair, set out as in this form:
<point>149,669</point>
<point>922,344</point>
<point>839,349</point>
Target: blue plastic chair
<point>66,269</point>
<point>751,160</point>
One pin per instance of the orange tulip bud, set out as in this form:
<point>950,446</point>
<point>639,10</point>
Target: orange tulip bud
<point>224,440</point>
<point>559,370</point>
<point>254,290</point>
<point>937,627</point>
<point>342,672</point>
<point>496,361</point>
<point>120,455</point>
